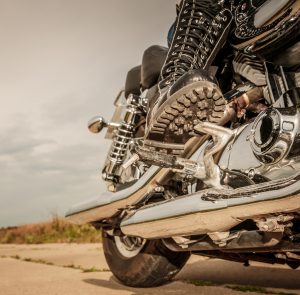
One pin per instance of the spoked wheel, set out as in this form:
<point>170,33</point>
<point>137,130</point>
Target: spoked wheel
<point>141,263</point>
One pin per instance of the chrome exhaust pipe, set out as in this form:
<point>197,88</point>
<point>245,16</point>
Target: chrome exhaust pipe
<point>213,210</point>
<point>109,204</point>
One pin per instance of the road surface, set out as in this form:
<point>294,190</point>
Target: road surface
<point>71,269</point>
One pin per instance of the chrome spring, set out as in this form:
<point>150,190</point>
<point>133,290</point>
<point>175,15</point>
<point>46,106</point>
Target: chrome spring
<point>121,142</point>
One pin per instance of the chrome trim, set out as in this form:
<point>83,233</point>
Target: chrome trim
<point>221,137</point>
<point>267,11</point>
<point>208,171</point>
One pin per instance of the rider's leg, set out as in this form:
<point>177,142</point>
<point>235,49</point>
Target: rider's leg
<point>187,92</point>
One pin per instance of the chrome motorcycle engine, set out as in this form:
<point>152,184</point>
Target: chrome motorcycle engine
<point>273,133</point>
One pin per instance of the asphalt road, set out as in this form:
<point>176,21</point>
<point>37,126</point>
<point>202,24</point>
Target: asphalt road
<point>59,269</point>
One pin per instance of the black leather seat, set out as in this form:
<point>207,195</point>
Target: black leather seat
<point>146,75</point>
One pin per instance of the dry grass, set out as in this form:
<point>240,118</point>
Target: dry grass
<point>55,231</point>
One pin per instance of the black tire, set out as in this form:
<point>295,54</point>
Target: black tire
<point>154,265</point>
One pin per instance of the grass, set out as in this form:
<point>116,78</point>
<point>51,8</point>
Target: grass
<point>57,230</point>
<point>41,261</point>
<point>240,288</point>
<point>86,270</point>
<point>94,269</point>
<point>245,288</point>
<point>200,283</point>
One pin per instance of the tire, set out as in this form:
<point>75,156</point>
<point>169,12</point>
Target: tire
<point>153,265</point>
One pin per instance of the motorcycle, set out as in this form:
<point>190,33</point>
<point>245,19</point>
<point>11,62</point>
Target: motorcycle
<point>232,192</point>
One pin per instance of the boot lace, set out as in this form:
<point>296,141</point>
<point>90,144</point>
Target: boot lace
<point>199,24</point>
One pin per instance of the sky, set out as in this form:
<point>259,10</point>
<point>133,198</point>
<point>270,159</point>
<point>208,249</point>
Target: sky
<point>61,63</point>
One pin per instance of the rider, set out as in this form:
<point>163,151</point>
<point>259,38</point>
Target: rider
<point>188,91</point>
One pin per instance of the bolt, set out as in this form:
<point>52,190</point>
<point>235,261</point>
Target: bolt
<point>112,188</point>
<point>251,173</point>
<point>159,189</point>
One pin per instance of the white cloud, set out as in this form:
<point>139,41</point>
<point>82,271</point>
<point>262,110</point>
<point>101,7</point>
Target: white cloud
<point>61,62</point>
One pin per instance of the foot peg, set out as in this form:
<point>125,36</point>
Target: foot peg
<point>208,171</point>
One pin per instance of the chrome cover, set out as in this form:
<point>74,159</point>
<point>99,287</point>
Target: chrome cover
<point>272,133</point>
<point>268,146</point>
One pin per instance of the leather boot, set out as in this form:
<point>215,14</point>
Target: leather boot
<point>188,94</point>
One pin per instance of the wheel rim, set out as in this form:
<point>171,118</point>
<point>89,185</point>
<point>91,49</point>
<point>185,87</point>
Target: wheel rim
<point>129,246</point>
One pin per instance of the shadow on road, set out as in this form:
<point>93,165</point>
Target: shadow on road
<point>225,272</point>
<point>113,284</point>
<point>220,273</point>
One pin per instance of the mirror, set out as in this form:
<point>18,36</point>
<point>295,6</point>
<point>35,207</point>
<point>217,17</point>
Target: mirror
<point>96,124</point>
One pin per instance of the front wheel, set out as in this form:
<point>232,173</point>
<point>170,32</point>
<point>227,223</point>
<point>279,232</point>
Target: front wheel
<point>140,263</point>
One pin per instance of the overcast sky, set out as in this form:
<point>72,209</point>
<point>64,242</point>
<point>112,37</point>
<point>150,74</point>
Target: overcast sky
<point>62,62</point>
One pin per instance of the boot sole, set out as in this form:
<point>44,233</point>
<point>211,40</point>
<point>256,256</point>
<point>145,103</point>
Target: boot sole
<point>174,122</point>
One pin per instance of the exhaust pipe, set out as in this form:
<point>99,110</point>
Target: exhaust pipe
<point>213,210</point>
<point>109,204</point>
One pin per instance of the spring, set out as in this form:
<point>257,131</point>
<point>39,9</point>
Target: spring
<point>121,142</point>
